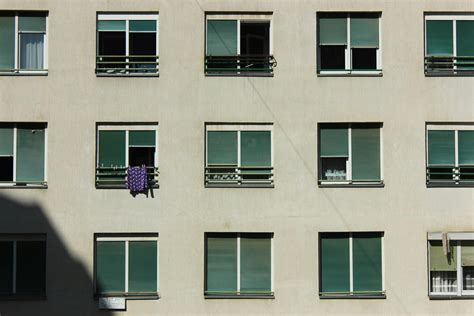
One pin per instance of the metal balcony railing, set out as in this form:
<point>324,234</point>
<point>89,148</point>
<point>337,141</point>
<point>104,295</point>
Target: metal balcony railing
<point>450,175</point>
<point>127,65</point>
<point>240,65</point>
<point>226,175</point>
<point>116,177</point>
<point>449,65</point>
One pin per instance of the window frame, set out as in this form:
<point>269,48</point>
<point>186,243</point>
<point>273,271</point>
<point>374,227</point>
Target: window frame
<point>348,71</point>
<point>16,68</point>
<point>30,184</point>
<point>245,17</point>
<point>458,237</point>
<point>127,17</point>
<point>445,16</point>
<point>239,127</point>
<point>351,293</point>
<point>110,126</point>
<point>24,237</point>
<point>238,294</point>
<point>349,182</point>
<point>456,127</point>
<point>126,238</point>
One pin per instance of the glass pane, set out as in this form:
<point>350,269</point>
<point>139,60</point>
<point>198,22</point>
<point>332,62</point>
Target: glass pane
<point>439,38</point>
<point>6,141</point>
<point>31,51</point>
<point>444,282</point>
<point>467,253</point>
<point>332,57</point>
<point>441,148</point>
<point>111,25</point>
<point>367,262</point>
<point>334,140</point>
<point>333,30</point>
<point>30,267</point>
<point>32,24</point>
<point>6,267</point>
<point>111,51</point>
<point>466,147</point>
<point>110,269</point>
<point>256,149</point>
<point>6,168</point>
<point>143,51</point>
<point>366,152</point>
<point>138,156</point>
<point>465,38</point>
<point>364,31</point>
<point>254,39</point>
<point>141,138</point>
<point>221,37</point>
<point>142,270</point>
<point>142,26</point>
<point>112,149</point>
<point>364,58</point>
<point>334,260</point>
<point>221,264</point>
<point>7,38</point>
<point>334,169</point>
<point>30,153</point>
<point>438,260</point>
<point>468,278</point>
<point>221,148</point>
<point>255,263</point>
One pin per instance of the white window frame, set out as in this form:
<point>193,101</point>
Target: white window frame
<point>126,240</point>
<point>14,239</point>
<point>348,51</point>
<point>127,129</point>
<point>457,237</point>
<point>28,184</point>
<point>244,18</point>
<point>348,180</point>
<point>127,18</point>
<point>257,127</point>
<point>238,237</point>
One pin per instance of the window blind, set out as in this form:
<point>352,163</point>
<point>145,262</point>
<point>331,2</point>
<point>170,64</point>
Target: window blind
<point>255,264</point>
<point>142,266</point>
<point>7,38</point>
<point>111,25</point>
<point>222,148</point>
<point>366,152</point>
<point>6,141</point>
<point>111,149</point>
<point>467,253</point>
<point>465,38</point>
<point>256,148</point>
<point>110,270</point>
<point>30,153</point>
<point>334,140</point>
<point>32,24</point>
<point>333,30</point>
<point>221,261</point>
<point>142,25</point>
<point>439,38</point>
<point>364,31</point>
<point>367,262</point>
<point>334,260</point>
<point>438,260</point>
<point>141,138</point>
<point>441,148</point>
<point>466,147</point>
<point>222,37</point>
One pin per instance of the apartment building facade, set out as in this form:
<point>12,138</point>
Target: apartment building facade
<point>284,157</point>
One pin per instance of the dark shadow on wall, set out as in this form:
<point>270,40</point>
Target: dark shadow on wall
<point>69,286</point>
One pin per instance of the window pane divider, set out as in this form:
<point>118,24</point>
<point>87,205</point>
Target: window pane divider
<point>126,266</point>
<point>238,263</point>
<point>459,268</point>
<point>16,63</point>
<point>351,268</point>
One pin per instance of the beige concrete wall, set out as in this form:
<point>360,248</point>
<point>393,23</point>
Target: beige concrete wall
<point>71,99</point>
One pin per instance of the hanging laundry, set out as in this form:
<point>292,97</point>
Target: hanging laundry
<point>137,179</point>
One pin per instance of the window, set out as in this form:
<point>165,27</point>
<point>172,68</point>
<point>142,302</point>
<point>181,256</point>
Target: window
<point>127,44</point>
<point>23,42</point>
<point>239,155</point>
<point>22,265</point>
<point>449,44</point>
<point>239,265</point>
<point>349,43</point>
<point>450,154</point>
<point>451,264</point>
<point>123,146</point>
<point>351,264</point>
<point>350,153</point>
<point>22,154</point>
<point>239,44</point>
<point>126,265</point>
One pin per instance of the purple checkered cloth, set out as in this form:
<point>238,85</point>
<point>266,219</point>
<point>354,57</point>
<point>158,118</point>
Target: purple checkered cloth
<point>137,179</point>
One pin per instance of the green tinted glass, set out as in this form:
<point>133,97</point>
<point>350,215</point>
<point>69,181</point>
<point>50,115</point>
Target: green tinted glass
<point>334,252</point>
<point>465,38</point>
<point>6,141</point>
<point>466,147</point>
<point>142,26</point>
<point>221,37</point>
<point>142,266</point>
<point>222,148</point>
<point>111,149</point>
<point>110,266</point>
<point>7,40</point>
<point>221,259</point>
<point>109,25</point>
<point>30,155</point>
<point>439,38</point>
<point>366,152</point>
<point>441,148</point>
<point>142,138</point>
<point>367,262</point>
<point>255,263</point>
<point>256,149</point>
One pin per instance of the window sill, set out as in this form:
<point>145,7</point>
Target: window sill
<point>449,185</point>
<point>23,297</point>
<point>449,74</point>
<point>14,73</point>
<point>240,296</point>
<point>351,185</point>
<point>120,186</point>
<point>350,74</point>
<point>243,186</point>
<point>352,296</point>
<point>13,185</point>
<point>130,296</point>
<point>254,74</point>
<point>435,297</point>
<point>152,75</point>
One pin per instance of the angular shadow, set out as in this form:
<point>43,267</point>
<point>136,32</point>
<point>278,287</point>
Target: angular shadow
<point>69,286</point>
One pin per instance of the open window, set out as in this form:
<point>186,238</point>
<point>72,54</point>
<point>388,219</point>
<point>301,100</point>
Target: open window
<point>449,44</point>
<point>350,154</point>
<point>122,146</point>
<point>451,264</point>
<point>349,43</point>
<point>239,44</point>
<point>23,154</point>
<point>127,44</point>
<point>23,42</point>
<point>239,155</point>
<point>450,154</point>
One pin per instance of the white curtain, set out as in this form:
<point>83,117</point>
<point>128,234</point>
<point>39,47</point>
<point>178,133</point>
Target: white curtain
<point>31,50</point>
<point>443,281</point>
